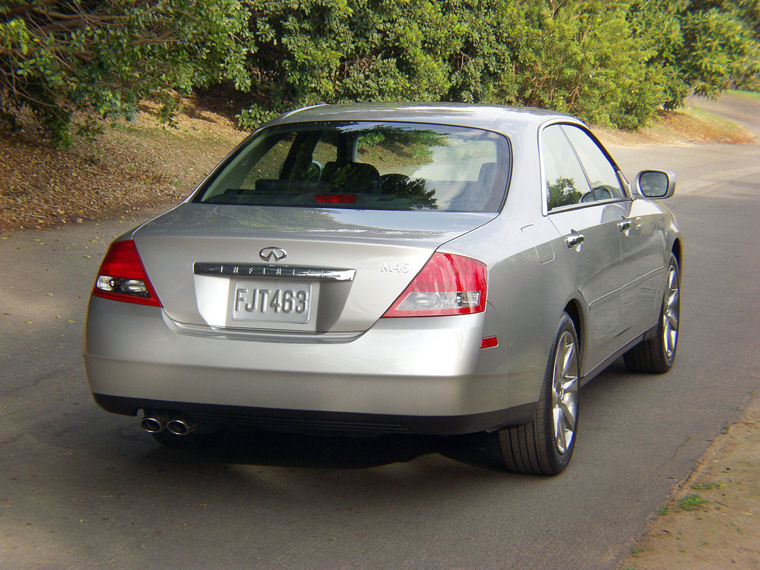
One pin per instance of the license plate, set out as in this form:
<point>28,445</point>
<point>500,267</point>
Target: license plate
<point>268,301</point>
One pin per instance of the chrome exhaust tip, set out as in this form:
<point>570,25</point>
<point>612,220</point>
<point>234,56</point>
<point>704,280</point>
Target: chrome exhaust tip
<point>152,423</point>
<point>181,426</point>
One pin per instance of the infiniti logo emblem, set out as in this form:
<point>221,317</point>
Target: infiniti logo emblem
<point>273,254</point>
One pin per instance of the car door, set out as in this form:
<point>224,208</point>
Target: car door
<point>587,218</point>
<point>645,264</point>
<point>641,233</point>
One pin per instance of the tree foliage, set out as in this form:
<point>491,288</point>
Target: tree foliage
<point>720,48</point>
<point>333,50</point>
<point>103,57</point>
<point>609,61</point>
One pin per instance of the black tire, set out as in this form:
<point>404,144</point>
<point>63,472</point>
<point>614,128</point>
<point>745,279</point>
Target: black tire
<point>656,353</point>
<point>545,446</point>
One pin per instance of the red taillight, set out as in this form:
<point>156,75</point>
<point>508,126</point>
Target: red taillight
<point>122,276</point>
<point>447,285</point>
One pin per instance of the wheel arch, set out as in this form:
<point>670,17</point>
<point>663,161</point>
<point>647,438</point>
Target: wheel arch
<point>678,252</point>
<point>573,309</point>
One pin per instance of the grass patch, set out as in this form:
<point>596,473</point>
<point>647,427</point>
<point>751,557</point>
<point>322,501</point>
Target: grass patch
<point>697,125</point>
<point>692,503</point>
<point>690,124</point>
<point>754,95</point>
<point>711,119</point>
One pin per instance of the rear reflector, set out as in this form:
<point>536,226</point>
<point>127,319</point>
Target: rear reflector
<point>489,342</point>
<point>447,285</point>
<point>122,276</point>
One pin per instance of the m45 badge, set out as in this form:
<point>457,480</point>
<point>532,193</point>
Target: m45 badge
<point>394,267</point>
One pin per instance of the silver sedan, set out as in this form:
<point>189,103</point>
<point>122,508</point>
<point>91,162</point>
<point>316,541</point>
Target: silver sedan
<point>376,269</point>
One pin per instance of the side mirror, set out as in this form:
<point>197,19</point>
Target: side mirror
<point>659,184</point>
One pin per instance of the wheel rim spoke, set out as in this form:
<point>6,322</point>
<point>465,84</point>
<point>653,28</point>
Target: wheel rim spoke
<point>568,414</point>
<point>568,359</point>
<point>558,434</point>
<point>570,384</point>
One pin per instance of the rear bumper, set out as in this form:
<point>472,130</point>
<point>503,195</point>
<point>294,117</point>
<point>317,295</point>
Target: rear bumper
<point>432,378</point>
<point>332,423</point>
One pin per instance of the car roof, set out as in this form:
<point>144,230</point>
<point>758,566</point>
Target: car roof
<point>508,120</point>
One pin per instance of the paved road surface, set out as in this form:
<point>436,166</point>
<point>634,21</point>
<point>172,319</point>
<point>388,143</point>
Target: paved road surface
<point>80,487</point>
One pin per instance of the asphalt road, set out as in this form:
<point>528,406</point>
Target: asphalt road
<point>81,487</point>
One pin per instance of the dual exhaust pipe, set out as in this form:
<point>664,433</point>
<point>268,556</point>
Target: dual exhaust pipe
<point>175,424</point>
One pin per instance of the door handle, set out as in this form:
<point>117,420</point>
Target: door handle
<point>574,240</point>
<point>625,225</point>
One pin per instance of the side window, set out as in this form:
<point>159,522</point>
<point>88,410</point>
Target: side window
<point>605,184</point>
<point>566,183</point>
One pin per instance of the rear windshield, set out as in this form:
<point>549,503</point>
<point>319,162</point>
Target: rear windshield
<point>366,165</point>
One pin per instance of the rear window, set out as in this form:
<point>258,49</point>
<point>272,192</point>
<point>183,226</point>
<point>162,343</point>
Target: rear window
<point>366,165</point>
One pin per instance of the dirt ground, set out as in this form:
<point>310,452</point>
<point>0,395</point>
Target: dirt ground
<point>133,165</point>
<point>712,519</point>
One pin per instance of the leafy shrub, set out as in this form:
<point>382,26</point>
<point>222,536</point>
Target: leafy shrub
<point>104,57</point>
<point>611,62</point>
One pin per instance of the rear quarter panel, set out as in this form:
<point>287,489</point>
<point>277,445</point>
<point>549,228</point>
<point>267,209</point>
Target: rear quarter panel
<point>528,287</point>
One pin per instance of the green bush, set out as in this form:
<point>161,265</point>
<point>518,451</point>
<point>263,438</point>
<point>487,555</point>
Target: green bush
<point>612,62</point>
<point>719,50</point>
<point>102,57</point>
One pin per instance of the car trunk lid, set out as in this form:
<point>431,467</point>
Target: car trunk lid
<point>299,270</point>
